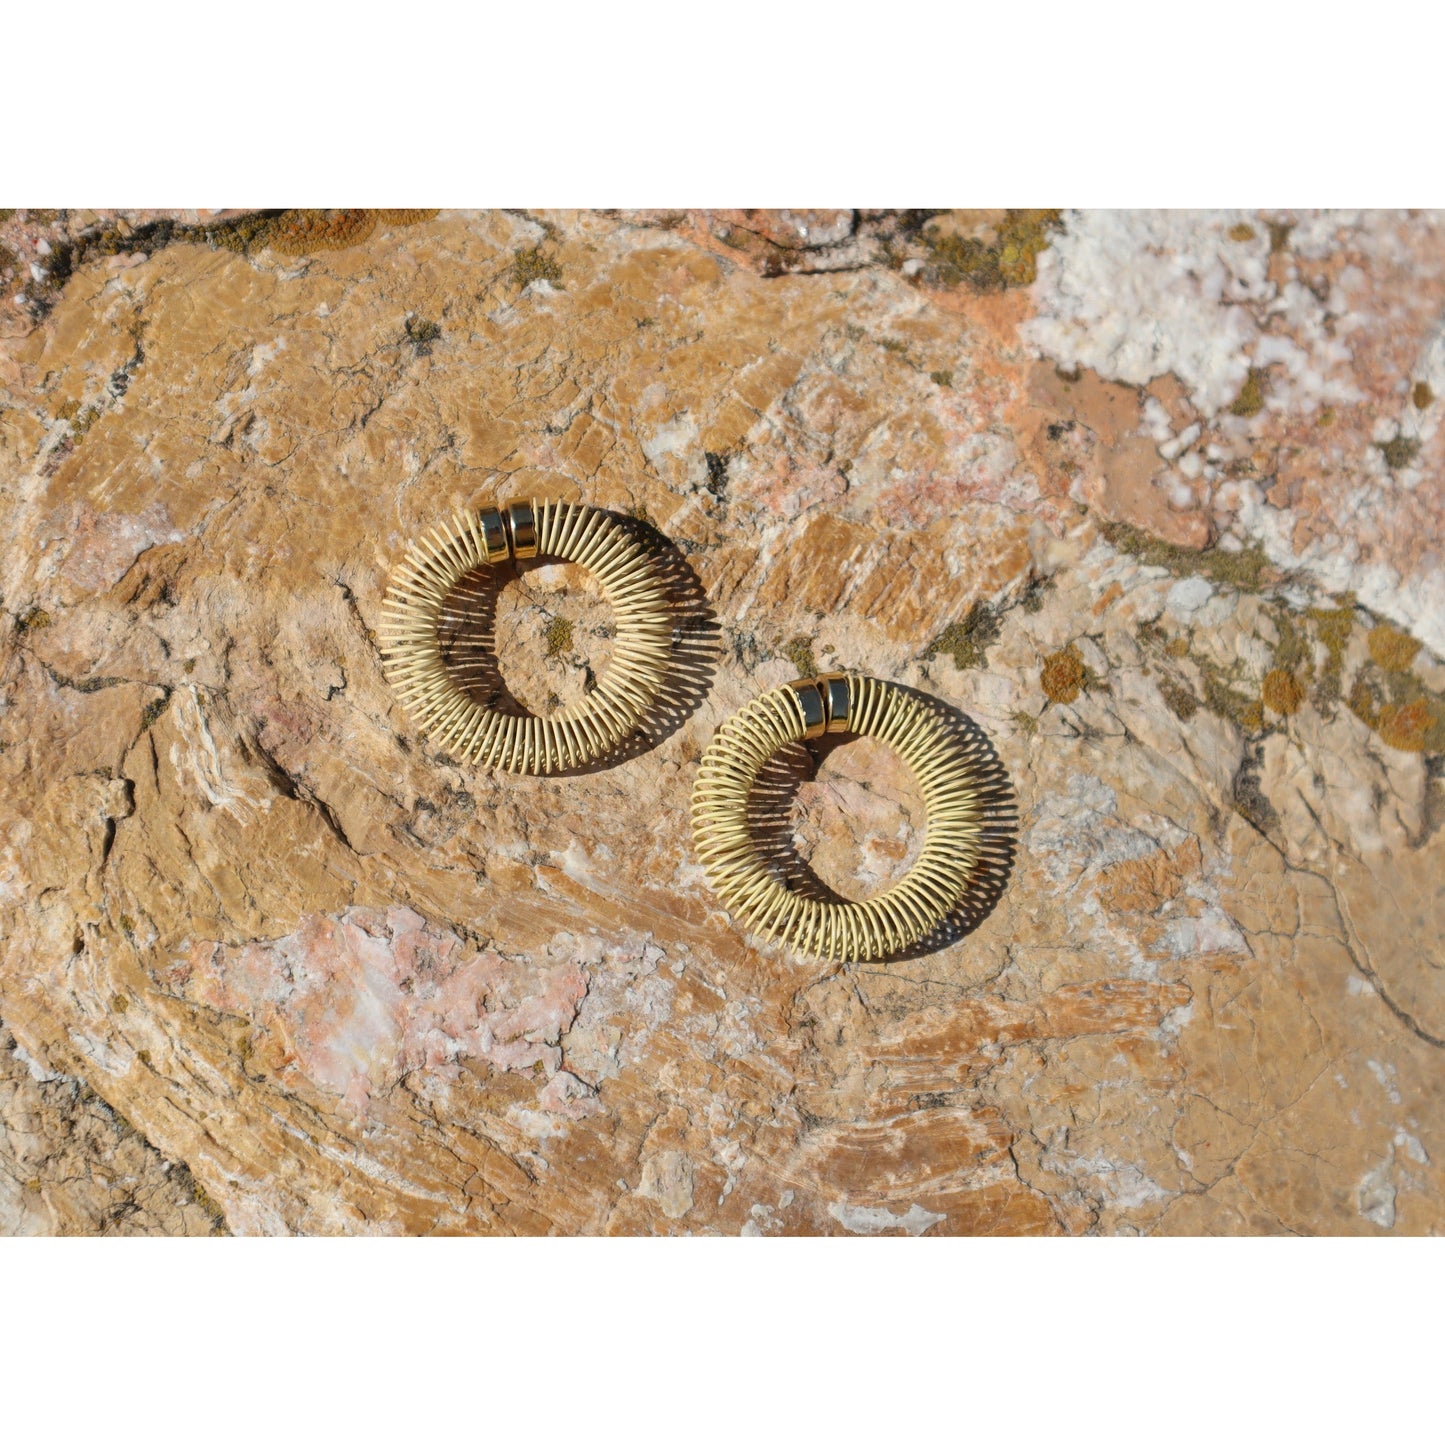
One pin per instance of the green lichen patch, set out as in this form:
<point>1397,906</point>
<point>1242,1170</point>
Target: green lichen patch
<point>245,233</point>
<point>1333,626</point>
<point>967,642</point>
<point>1399,452</point>
<point>717,472</point>
<point>800,653</point>
<point>941,378</point>
<point>1250,801</point>
<point>1422,395</point>
<point>81,418</point>
<point>1250,401</point>
<point>558,637</point>
<point>1035,593</point>
<point>1010,260</point>
<point>1385,694</point>
<point>1293,652</point>
<point>153,710</point>
<point>209,1205</point>
<point>1225,697</point>
<point>1247,570</point>
<point>1178,699</point>
<point>422,333</point>
<point>32,620</point>
<point>534,264</point>
<point>1025,721</point>
<point>1241,231</point>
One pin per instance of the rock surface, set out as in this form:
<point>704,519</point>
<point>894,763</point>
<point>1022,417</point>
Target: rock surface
<point>1153,499</point>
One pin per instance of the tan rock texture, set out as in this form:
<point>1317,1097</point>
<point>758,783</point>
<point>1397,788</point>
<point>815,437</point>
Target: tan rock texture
<point>272,963</point>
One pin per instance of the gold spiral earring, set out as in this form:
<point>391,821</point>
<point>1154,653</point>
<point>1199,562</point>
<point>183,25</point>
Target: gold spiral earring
<point>808,708</point>
<point>416,604</point>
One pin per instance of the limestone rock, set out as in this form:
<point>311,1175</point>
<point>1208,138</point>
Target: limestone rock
<point>1167,532</point>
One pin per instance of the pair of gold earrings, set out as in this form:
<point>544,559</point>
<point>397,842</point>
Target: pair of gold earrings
<point>421,601</point>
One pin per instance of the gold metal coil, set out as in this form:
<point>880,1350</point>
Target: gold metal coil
<point>570,737</point>
<point>752,891</point>
<point>522,525</point>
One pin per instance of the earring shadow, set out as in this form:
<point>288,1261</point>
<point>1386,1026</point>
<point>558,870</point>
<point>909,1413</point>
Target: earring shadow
<point>770,826</point>
<point>467,633</point>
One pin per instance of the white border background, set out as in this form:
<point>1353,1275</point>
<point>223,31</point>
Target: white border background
<point>760,104</point>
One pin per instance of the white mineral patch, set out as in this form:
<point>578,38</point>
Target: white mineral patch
<point>1413,1148</point>
<point>1377,1193</point>
<point>671,439</point>
<point>1135,295</point>
<point>1138,295</point>
<point>1385,1075</point>
<point>860,1219</point>
<point>1187,597</point>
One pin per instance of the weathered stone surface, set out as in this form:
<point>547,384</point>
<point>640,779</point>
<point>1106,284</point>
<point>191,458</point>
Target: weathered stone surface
<point>1154,501</point>
<point>69,1164</point>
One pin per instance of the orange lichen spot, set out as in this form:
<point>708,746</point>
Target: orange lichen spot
<point>298,233</point>
<point>1282,692</point>
<point>1242,231</point>
<point>1422,395</point>
<point>1406,727</point>
<point>1392,649</point>
<point>403,218</point>
<point>1062,675</point>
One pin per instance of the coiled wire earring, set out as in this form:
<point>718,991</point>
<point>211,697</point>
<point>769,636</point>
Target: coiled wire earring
<point>417,601</point>
<point>808,708</point>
